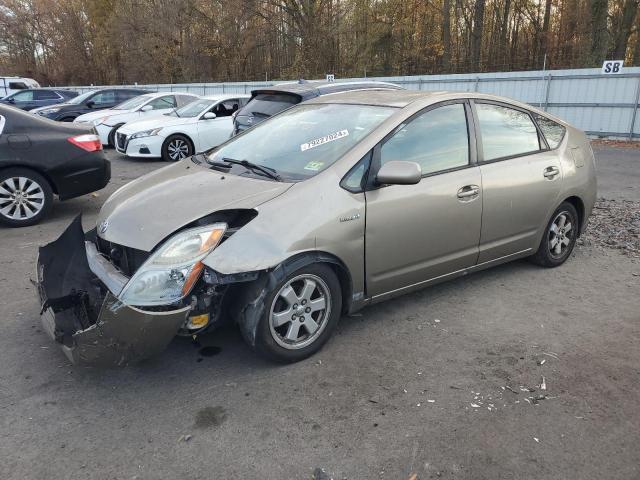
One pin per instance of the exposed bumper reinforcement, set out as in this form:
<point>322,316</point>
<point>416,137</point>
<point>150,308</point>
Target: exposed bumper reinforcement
<point>81,313</point>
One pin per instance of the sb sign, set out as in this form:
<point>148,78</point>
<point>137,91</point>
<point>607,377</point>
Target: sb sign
<point>612,66</point>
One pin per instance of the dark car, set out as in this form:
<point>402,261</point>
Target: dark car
<point>38,97</point>
<point>266,102</point>
<point>90,101</point>
<point>40,158</point>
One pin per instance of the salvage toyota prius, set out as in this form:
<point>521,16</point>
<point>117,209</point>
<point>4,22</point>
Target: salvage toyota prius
<point>329,206</point>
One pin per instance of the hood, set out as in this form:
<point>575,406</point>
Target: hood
<point>91,116</point>
<point>155,122</point>
<point>55,105</point>
<point>146,211</point>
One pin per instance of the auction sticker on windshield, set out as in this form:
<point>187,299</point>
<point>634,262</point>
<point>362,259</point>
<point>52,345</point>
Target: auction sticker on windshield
<point>322,140</point>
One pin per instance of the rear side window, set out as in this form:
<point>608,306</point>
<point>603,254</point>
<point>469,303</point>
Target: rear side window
<point>506,132</point>
<point>553,132</point>
<point>45,95</point>
<point>268,104</point>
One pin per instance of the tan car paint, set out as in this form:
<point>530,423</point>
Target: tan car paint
<point>146,211</point>
<point>307,216</point>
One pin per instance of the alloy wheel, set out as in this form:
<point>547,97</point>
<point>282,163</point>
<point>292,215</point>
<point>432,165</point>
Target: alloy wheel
<point>178,149</point>
<point>560,235</point>
<point>300,311</point>
<point>21,198</point>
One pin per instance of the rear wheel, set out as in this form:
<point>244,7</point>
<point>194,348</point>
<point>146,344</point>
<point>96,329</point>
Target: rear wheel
<point>299,314</point>
<point>559,237</point>
<point>111,139</point>
<point>176,147</point>
<point>25,197</point>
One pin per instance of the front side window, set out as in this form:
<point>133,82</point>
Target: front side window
<point>81,98</point>
<point>304,140</point>
<point>23,96</point>
<point>436,140</point>
<point>226,108</point>
<point>17,85</point>
<point>506,132</point>
<point>162,103</point>
<point>553,132</point>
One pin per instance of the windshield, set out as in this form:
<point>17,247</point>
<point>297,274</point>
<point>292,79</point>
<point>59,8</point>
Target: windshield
<point>132,103</point>
<point>81,98</point>
<point>304,140</point>
<point>194,109</point>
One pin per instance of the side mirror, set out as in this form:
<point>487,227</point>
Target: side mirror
<point>90,104</point>
<point>209,116</point>
<point>12,100</point>
<point>146,108</point>
<point>399,172</point>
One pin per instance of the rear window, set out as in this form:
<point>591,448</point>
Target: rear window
<point>552,131</point>
<point>268,104</point>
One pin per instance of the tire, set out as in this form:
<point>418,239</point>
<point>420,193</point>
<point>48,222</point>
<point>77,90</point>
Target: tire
<point>559,237</point>
<point>34,197</point>
<point>180,142</point>
<point>111,139</point>
<point>270,339</point>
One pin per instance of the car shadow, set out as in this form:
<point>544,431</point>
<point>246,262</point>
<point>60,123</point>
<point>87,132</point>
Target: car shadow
<point>222,355</point>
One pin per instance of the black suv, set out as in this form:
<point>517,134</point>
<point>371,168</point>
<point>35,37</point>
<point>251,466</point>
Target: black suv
<point>31,98</point>
<point>266,102</point>
<point>88,102</point>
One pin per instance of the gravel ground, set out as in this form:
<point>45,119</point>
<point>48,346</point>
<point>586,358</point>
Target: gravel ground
<point>515,372</point>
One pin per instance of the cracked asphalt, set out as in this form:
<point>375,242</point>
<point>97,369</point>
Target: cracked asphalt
<point>443,383</point>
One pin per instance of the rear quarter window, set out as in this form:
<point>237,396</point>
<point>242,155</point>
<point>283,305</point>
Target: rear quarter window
<point>553,132</point>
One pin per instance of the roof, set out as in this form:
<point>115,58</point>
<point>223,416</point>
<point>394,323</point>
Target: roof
<point>389,98</point>
<point>312,89</point>
<point>226,96</point>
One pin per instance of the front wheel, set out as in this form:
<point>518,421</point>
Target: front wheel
<point>299,314</point>
<point>25,197</point>
<point>559,237</point>
<point>176,147</point>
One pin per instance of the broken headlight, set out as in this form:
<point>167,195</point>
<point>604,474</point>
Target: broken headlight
<point>171,272</point>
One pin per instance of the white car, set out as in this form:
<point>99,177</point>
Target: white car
<point>194,128</point>
<point>108,121</point>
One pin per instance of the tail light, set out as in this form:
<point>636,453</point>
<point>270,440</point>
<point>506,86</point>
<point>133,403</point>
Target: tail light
<point>89,142</point>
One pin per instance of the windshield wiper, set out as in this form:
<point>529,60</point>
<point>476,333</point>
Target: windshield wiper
<point>260,114</point>
<point>266,171</point>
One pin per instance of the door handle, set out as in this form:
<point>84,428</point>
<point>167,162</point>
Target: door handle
<point>468,192</point>
<point>551,172</point>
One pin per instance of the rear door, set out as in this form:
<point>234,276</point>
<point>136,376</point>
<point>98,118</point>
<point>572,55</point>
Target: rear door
<point>520,179</point>
<point>42,98</point>
<point>415,233</point>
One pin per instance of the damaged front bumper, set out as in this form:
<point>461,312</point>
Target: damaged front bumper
<point>80,310</point>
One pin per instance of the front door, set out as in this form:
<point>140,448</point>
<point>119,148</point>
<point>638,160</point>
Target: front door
<point>214,131</point>
<point>520,181</point>
<point>415,233</point>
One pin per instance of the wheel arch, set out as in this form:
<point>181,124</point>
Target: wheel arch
<point>182,134</point>
<point>39,171</point>
<point>247,302</point>
<point>578,204</point>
